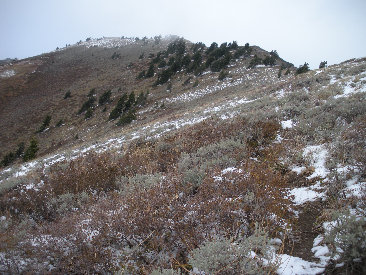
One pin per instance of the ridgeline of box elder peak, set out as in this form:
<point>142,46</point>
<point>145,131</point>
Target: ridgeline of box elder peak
<point>163,156</point>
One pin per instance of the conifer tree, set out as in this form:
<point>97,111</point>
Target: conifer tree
<point>31,151</point>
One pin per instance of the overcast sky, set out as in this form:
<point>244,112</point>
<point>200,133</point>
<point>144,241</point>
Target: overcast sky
<point>300,30</point>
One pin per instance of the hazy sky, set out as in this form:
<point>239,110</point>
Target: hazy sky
<point>300,30</point>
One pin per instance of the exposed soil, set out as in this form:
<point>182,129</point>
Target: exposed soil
<point>304,232</point>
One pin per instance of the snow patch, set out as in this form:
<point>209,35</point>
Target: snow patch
<point>7,73</point>
<point>318,155</point>
<point>298,169</point>
<point>290,265</point>
<point>305,194</point>
<point>287,124</point>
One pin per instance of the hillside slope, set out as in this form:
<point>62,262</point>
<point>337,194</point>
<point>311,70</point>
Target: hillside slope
<point>224,153</point>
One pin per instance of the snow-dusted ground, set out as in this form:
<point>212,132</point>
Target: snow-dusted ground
<point>108,42</point>
<point>317,155</point>
<point>7,74</point>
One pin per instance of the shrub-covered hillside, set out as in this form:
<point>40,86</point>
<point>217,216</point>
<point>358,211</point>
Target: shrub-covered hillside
<point>218,159</point>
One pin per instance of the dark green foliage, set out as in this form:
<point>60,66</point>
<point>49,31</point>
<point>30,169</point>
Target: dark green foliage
<point>116,55</point>
<point>255,61</point>
<point>199,70</point>
<point>186,60</point>
<point>88,113</point>
<point>19,152</point>
<point>197,60</point>
<point>177,65</point>
<point>141,56</point>
<point>11,157</point>
<point>67,94</point>
<point>269,60</point>
<point>8,159</point>
<point>218,52</point>
<point>87,104</point>
<point>150,72</point>
<point>130,102</point>
<point>239,52</point>
<point>141,75</point>
<point>117,111</point>
<point>91,93</point>
<point>323,64</point>
<point>164,76</point>
<point>178,46</point>
<point>127,118</point>
<point>158,58</point>
<point>274,54</point>
<point>233,45</point>
<point>303,69</point>
<point>141,99</point>
<point>209,61</point>
<point>31,151</point>
<point>223,74</point>
<point>221,63</point>
<point>199,46</point>
<point>162,64</point>
<point>171,61</point>
<point>195,84</point>
<point>45,124</point>
<point>105,97</point>
<point>212,47</point>
<point>59,123</point>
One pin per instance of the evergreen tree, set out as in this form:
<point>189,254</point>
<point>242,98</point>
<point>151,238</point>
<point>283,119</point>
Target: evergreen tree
<point>150,72</point>
<point>255,61</point>
<point>141,99</point>
<point>234,45</point>
<point>141,75</point>
<point>164,76</point>
<point>162,64</point>
<point>212,47</point>
<point>130,102</point>
<point>269,60</point>
<point>198,47</point>
<point>89,113</point>
<point>31,151</point>
<point>127,118</point>
<point>67,94</point>
<point>91,93</point>
<point>8,159</point>
<point>117,111</point>
<point>19,152</point>
<point>186,60</point>
<point>87,104</point>
<point>323,64</point>
<point>303,69</point>
<point>45,124</point>
<point>105,97</point>
<point>274,54</point>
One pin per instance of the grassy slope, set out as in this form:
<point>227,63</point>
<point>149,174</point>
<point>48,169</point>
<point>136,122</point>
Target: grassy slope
<point>167,191</point>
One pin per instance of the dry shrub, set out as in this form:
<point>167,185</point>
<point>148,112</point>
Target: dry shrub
<point>143,228</point>
<point>91,174</point>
